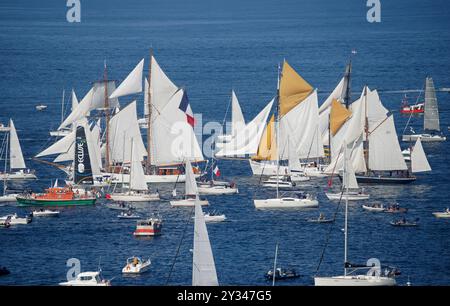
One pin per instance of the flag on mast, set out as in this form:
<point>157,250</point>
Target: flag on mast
<point>216,171</point>
<point>186,108</point>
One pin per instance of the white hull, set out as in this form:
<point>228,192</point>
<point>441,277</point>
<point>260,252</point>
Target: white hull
<point>299,177</point>
<point>286,203</point>
<point>267,168</point>
<point>137,269</point>
<point>16,220</point>
<point>188,202</point>
<point>217,190</point>
<point>61,133</point>
<point>215,218</point>
<point>123,197</point>
<point>354,280</point>
<point>314,172</point>
<point>442,214</point>
<point>19,176</point>
<point>46,213</point>
<point>8,197</point>
<point>424,137</point>
<point>351,196</point>
<point>117,178</point>
<point>374,209</point>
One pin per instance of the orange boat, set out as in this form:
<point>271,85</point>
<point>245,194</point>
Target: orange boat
<point>57,196</point>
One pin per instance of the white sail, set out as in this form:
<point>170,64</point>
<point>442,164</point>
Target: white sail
<point>203,266</point>
<point>146,110</point>
<point>293,160</point>
<point>123,127</point>
<point>92,145</point>
<point>16,157</point>
<point>191,183</point>
<point>237,118</point>
<point>162,88</point>
<point>419,161</point>
<point>66,156</point>
<point>325,108</point>
<point>173,139</point>
<point>301,125</point>
<point>97,142</point>
<point>431,112</point>
<point>385,153</point>
<point>80,111</point>
<point>137,176</point>
<point>349,179</point>
<point>74,100</point>
<point>132,83</point>
<point>245,143</point>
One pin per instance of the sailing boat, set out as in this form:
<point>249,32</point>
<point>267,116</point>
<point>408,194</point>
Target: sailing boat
<point>64,131</point>
<point>214,187</point>
<point>351,191</point>
<point>16,161</point>
<point>350,278</point>
<point>237,121</point>
<point>292,91</point>
<point>431,117</point>
<point>203,266</point>
<point>137,188</point>
<point>191,196</point>
<point>419,162</point>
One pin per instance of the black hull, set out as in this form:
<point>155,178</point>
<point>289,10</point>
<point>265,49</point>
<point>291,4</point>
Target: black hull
<point>384,179</point>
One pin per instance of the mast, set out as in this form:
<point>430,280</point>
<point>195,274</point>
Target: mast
<point>105,80</point>
<point>275,264</point>
<point>346,210</point>
<point>131,166</point>
<point>62,106</point>
<point>329,136</point>
<point>366,131</point>
<point>278,130</point>
<point>149,106</point>
<point>347,76</point>
<point>6,164</point>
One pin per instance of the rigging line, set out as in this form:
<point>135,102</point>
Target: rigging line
<point>226,112</point>
<point>179,246</point>
<point>327,240</point>
<point>410,115</point>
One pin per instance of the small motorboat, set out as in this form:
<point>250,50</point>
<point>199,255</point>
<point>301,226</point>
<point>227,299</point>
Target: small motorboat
<point>351,195</point>
<point>321,219</point>
<point>188,201</point>
<point>45,213</point>
<point>282,274</point>
<point>129,214</point>
<point>302,200</point>
<point>8,197</point>
<point>14,219</point>
<point>280,182</point>
<point>404,222</point>
<point>298,176</point>
<point>217,188</point>
<point>4,128</point>
<point>444,214</point>
<point>213,217</point>
<point>374,207</point>
<point>87,279</point>
<point>119,206</point>
<point>136,266</point>
<point>41,107</point>
<point>395,208</point>
<point>412,109</point>
<point>5,222</point>
<point>148,227</point>
<point>4,271</point>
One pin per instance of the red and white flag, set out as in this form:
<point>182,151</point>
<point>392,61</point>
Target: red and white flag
<point>216,171</point>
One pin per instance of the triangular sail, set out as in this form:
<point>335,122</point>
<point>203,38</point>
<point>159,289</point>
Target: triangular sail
<point>431,112</point>
<point>419,162</point>
<point>16,156</point>
<point>293,160</point>
<point>237,118</point>
<point>267,149</point>
<point>132,83</point>
<point>137,176</point>
<point>349,180</point>
<point>338,116</point>
<point>191,183</point>
<point>203,266</point>
<point>293,89</point>
<point>74,101</point>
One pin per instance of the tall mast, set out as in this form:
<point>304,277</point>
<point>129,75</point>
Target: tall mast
<point>366,131</point>
<point>346,179</point>
<point>149,106</point>
<point>347,76</point>
<point>275,264</point>
<point>6,163</point>
<point>329,136</point>
<point>277,134</point>
<point>105,80</point>
<point>62,106</point>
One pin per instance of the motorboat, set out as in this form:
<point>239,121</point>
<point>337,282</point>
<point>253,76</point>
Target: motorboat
<point>57,196</point>
<point>133,196</point>
<point>87,279</point>
<point>424,137</point>
<point>302,200</point>
<point>298,176</point>
<point>188,201</point>
<point>444,214</point>
<point>280,182</point>
<point>41,107</point>
<point>282,274</point>
<point>119,206</point>
<point>217,188</point>
<point>407,154</point>
<point>404,222</point>
<point>395,208</point>
<point>352,195</point>
<point>148,227</point>
<point>14,219</point>
<point>321,219</point>
<point>5,222</point>
<point>45,213</point>
<point>213,217</point>
<point>374,207</point>
<point>129,214</point>
<point>136,265</point>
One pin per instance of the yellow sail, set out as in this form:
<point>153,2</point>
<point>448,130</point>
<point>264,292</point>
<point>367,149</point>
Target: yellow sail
<point>293,89</point>
<point>338,115</point>
<point>267,149</point>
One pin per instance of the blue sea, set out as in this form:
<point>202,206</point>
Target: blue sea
<point>210,47</point>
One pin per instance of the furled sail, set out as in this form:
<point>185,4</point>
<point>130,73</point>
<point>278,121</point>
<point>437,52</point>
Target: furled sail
<point>203,266</point>
<point>137,176</point>
<point>123,127</point>
<point>293,89</point>
<point>245,143</point>
<point>267,149</point>
<point>419,162</point>
<point>16,156</point>
<point>132,83</point>
<point>431,112</point>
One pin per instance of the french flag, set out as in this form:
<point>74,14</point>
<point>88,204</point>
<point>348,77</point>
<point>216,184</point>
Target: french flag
<point>216,171</point>
<point>186,108</point>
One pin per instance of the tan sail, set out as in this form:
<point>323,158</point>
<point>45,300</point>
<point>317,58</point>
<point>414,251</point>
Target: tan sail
<point>338,115</point>
<point>267,149</point>
<point>293,89</point>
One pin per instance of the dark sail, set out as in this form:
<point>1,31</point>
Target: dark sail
<point>83,169</point>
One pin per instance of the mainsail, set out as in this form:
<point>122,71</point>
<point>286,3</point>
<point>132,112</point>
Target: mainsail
<point>16,156</point>
<point>132,83</point>
<point>237,118</point>
<point>431,112</point>
<point>267,149</point>
<point>137,176</point>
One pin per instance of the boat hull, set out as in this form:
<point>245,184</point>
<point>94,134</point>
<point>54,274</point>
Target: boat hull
<point>384,179</point>
<point>17,176</point>
<point>350,196</point>
<point>266,168</point>
<point>373,209</point>
<point>441,214</point>
<point>22,201</point>
<point>286,203</point>
<point>188,202</point>
<point>217,190</point>
<point>135,197</point>
<point>8,198</point>
<point>356,280</point>
<point>424,138</point>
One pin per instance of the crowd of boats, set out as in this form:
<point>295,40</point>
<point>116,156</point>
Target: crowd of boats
<point>100,148</point>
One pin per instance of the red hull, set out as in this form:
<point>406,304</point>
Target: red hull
<point>414,111</point>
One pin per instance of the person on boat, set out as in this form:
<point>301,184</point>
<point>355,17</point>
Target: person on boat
<point>321,216</point>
